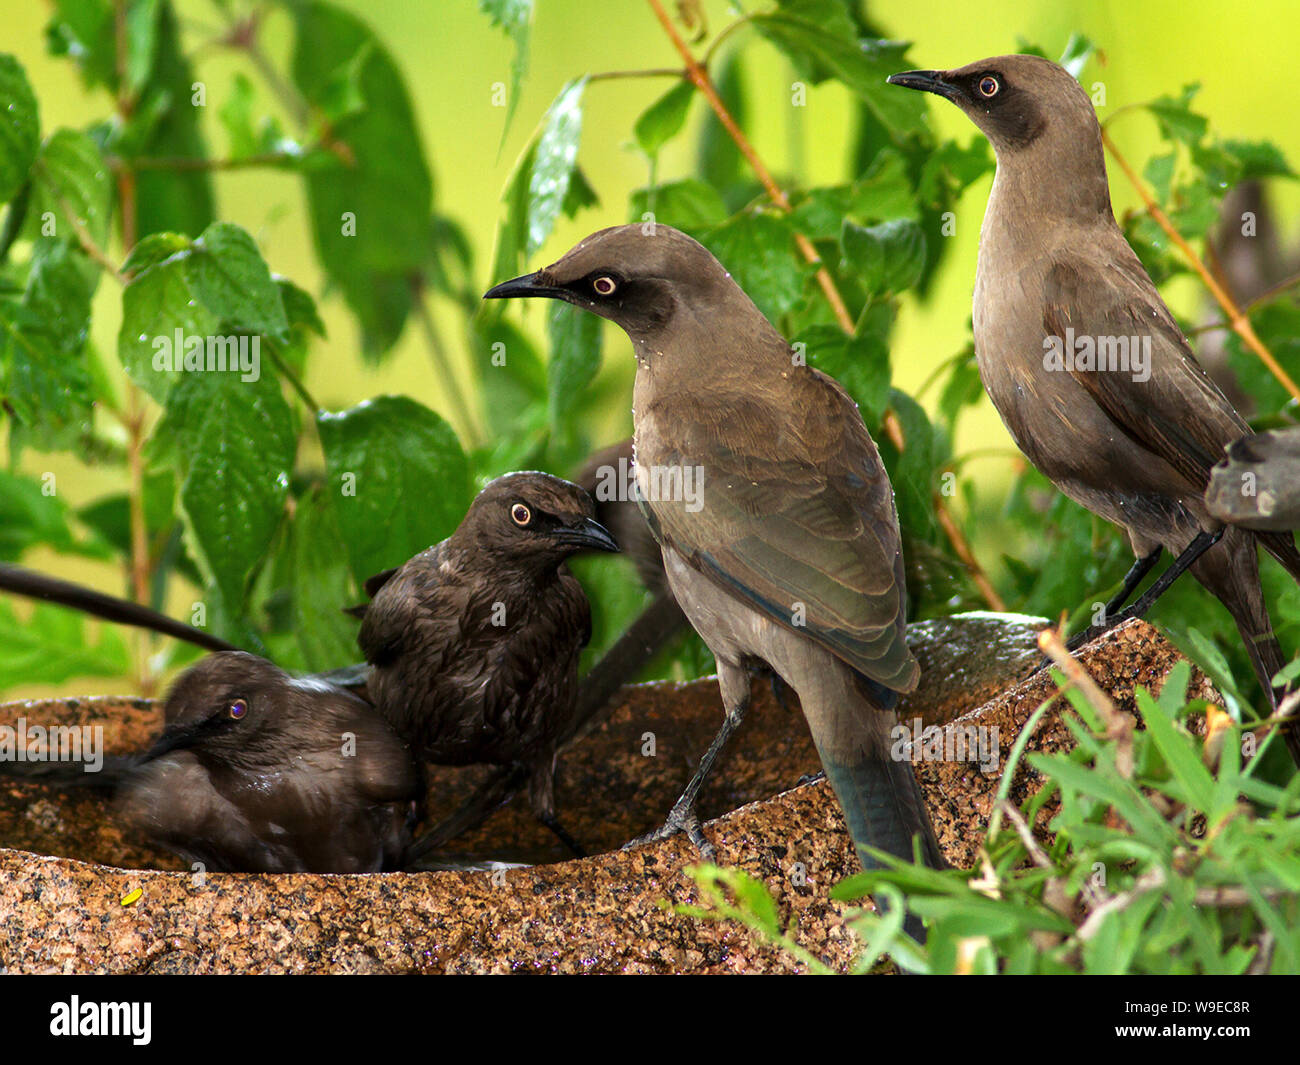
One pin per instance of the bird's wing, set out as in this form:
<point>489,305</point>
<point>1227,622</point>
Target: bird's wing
<point>797,515</point>
<point>402,600</point>
<point>1177,412</point>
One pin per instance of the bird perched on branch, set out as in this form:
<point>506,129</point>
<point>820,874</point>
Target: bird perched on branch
<point>257,771</point>
<point>773,511</point>
<point>473,645</point>
<point>1091,374</point>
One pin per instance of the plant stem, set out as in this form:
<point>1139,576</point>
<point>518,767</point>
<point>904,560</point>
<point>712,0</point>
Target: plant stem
<point>442,363</point>
<point>1237,319</point>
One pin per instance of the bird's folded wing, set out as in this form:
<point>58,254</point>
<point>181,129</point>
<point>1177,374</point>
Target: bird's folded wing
<point>1176,412</point>
<point>797,518</point>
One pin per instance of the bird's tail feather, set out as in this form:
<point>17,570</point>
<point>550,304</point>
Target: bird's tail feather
<point>884,809</point>
<point>1231,572</point>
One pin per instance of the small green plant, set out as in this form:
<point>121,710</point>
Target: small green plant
<point>1158,864</point>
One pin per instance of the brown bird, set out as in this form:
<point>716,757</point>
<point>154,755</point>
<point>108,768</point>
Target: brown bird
<point>1091,374</point>
<point>257,771</point>
<point>473,645</point>
<point>1257,484</point>
<point>773,511</point>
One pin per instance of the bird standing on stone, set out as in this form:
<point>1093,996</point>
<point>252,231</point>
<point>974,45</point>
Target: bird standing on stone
<point>788,554</point>
<point>473,645</point>
<point>1091,374</point>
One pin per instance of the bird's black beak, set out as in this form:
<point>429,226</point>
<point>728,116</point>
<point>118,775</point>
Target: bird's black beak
<point>926,81</point>
<point>588,534</point>
<point>527,285</point>
<point>181,737</point>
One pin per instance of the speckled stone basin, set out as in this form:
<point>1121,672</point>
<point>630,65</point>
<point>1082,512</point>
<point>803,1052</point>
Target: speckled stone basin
<point>65,867</point>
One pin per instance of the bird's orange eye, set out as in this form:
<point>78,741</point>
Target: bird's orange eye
<point>989,86</point>
<point>238,709</point>
<point>604,286</point>
<point>520,514</point>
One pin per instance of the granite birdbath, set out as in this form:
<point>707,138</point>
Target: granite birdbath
<point>80,892</point>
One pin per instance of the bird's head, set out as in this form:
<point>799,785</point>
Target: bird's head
<point>1015,100</point>
<point>637,276</point>
<point>534,516</point>
<point>222,701</point>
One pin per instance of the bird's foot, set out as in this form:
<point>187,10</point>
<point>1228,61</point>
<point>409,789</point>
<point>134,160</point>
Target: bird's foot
<point>682,818</point>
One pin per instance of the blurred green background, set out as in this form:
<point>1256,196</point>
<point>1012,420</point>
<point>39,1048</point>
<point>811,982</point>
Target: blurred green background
<point>451,57</point>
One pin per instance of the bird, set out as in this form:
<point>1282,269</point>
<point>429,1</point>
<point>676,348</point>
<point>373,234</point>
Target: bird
<point>1090,372</point>
<point>256,771</point>
<point>1257,483</point>
<point>473,644</point>
<point>773,512</point>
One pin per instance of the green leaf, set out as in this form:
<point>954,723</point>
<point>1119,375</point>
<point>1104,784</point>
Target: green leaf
<point>819,41</point>
<point>32,513</point>
<point>885,258</point>
<point>553,164</point>
<point>859,363</point>
<point>72,185</point>
<point>160,309</point>
<point>234,447</point>
<point>182,297</point>
<point>1176,119</point>
<point>228,274</point>
<point>1078,50</point>
<point>398,479</point>
<point>575,338</point>
<point>236,115</point>
<point>1257,159</point>
<point>370,218</point>
<point>84,31</point>
<point>515,18</point>
<point>510,372</point>
<point>664,119</point>
<point>53,646</point>
<point>20,127</point>
<point>688,205</point>
<point>1196,784</point>
<point>321,577</point>
<point>44,384</point>
<point>43,369</point>
<point>175,201</point>
<point>758,248</point>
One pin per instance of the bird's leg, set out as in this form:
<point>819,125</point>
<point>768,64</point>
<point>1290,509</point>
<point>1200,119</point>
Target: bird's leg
<point>1202,542</point>
<point>1140,568</point>
<point>734,682</point>
<point>549,820</point>
<point>492,794</point>
<point>541,795</point>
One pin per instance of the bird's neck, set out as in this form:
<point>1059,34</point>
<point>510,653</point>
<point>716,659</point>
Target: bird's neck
<point>1038,192</point>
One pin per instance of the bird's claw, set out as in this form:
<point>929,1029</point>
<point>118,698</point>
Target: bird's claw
<point>682,818</point>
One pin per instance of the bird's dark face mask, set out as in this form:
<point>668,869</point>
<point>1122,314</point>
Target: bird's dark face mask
<point>991,95</point>
<point>640,305</point>
<point>551,532</point>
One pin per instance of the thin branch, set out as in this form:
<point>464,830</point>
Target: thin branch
<point>442,363</point>
<point>962,547</point>
<point>651,72</point>
<point>1237,318</point>
<point>186,164</point>
<point>287,373</point>
<point>700,78</point>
